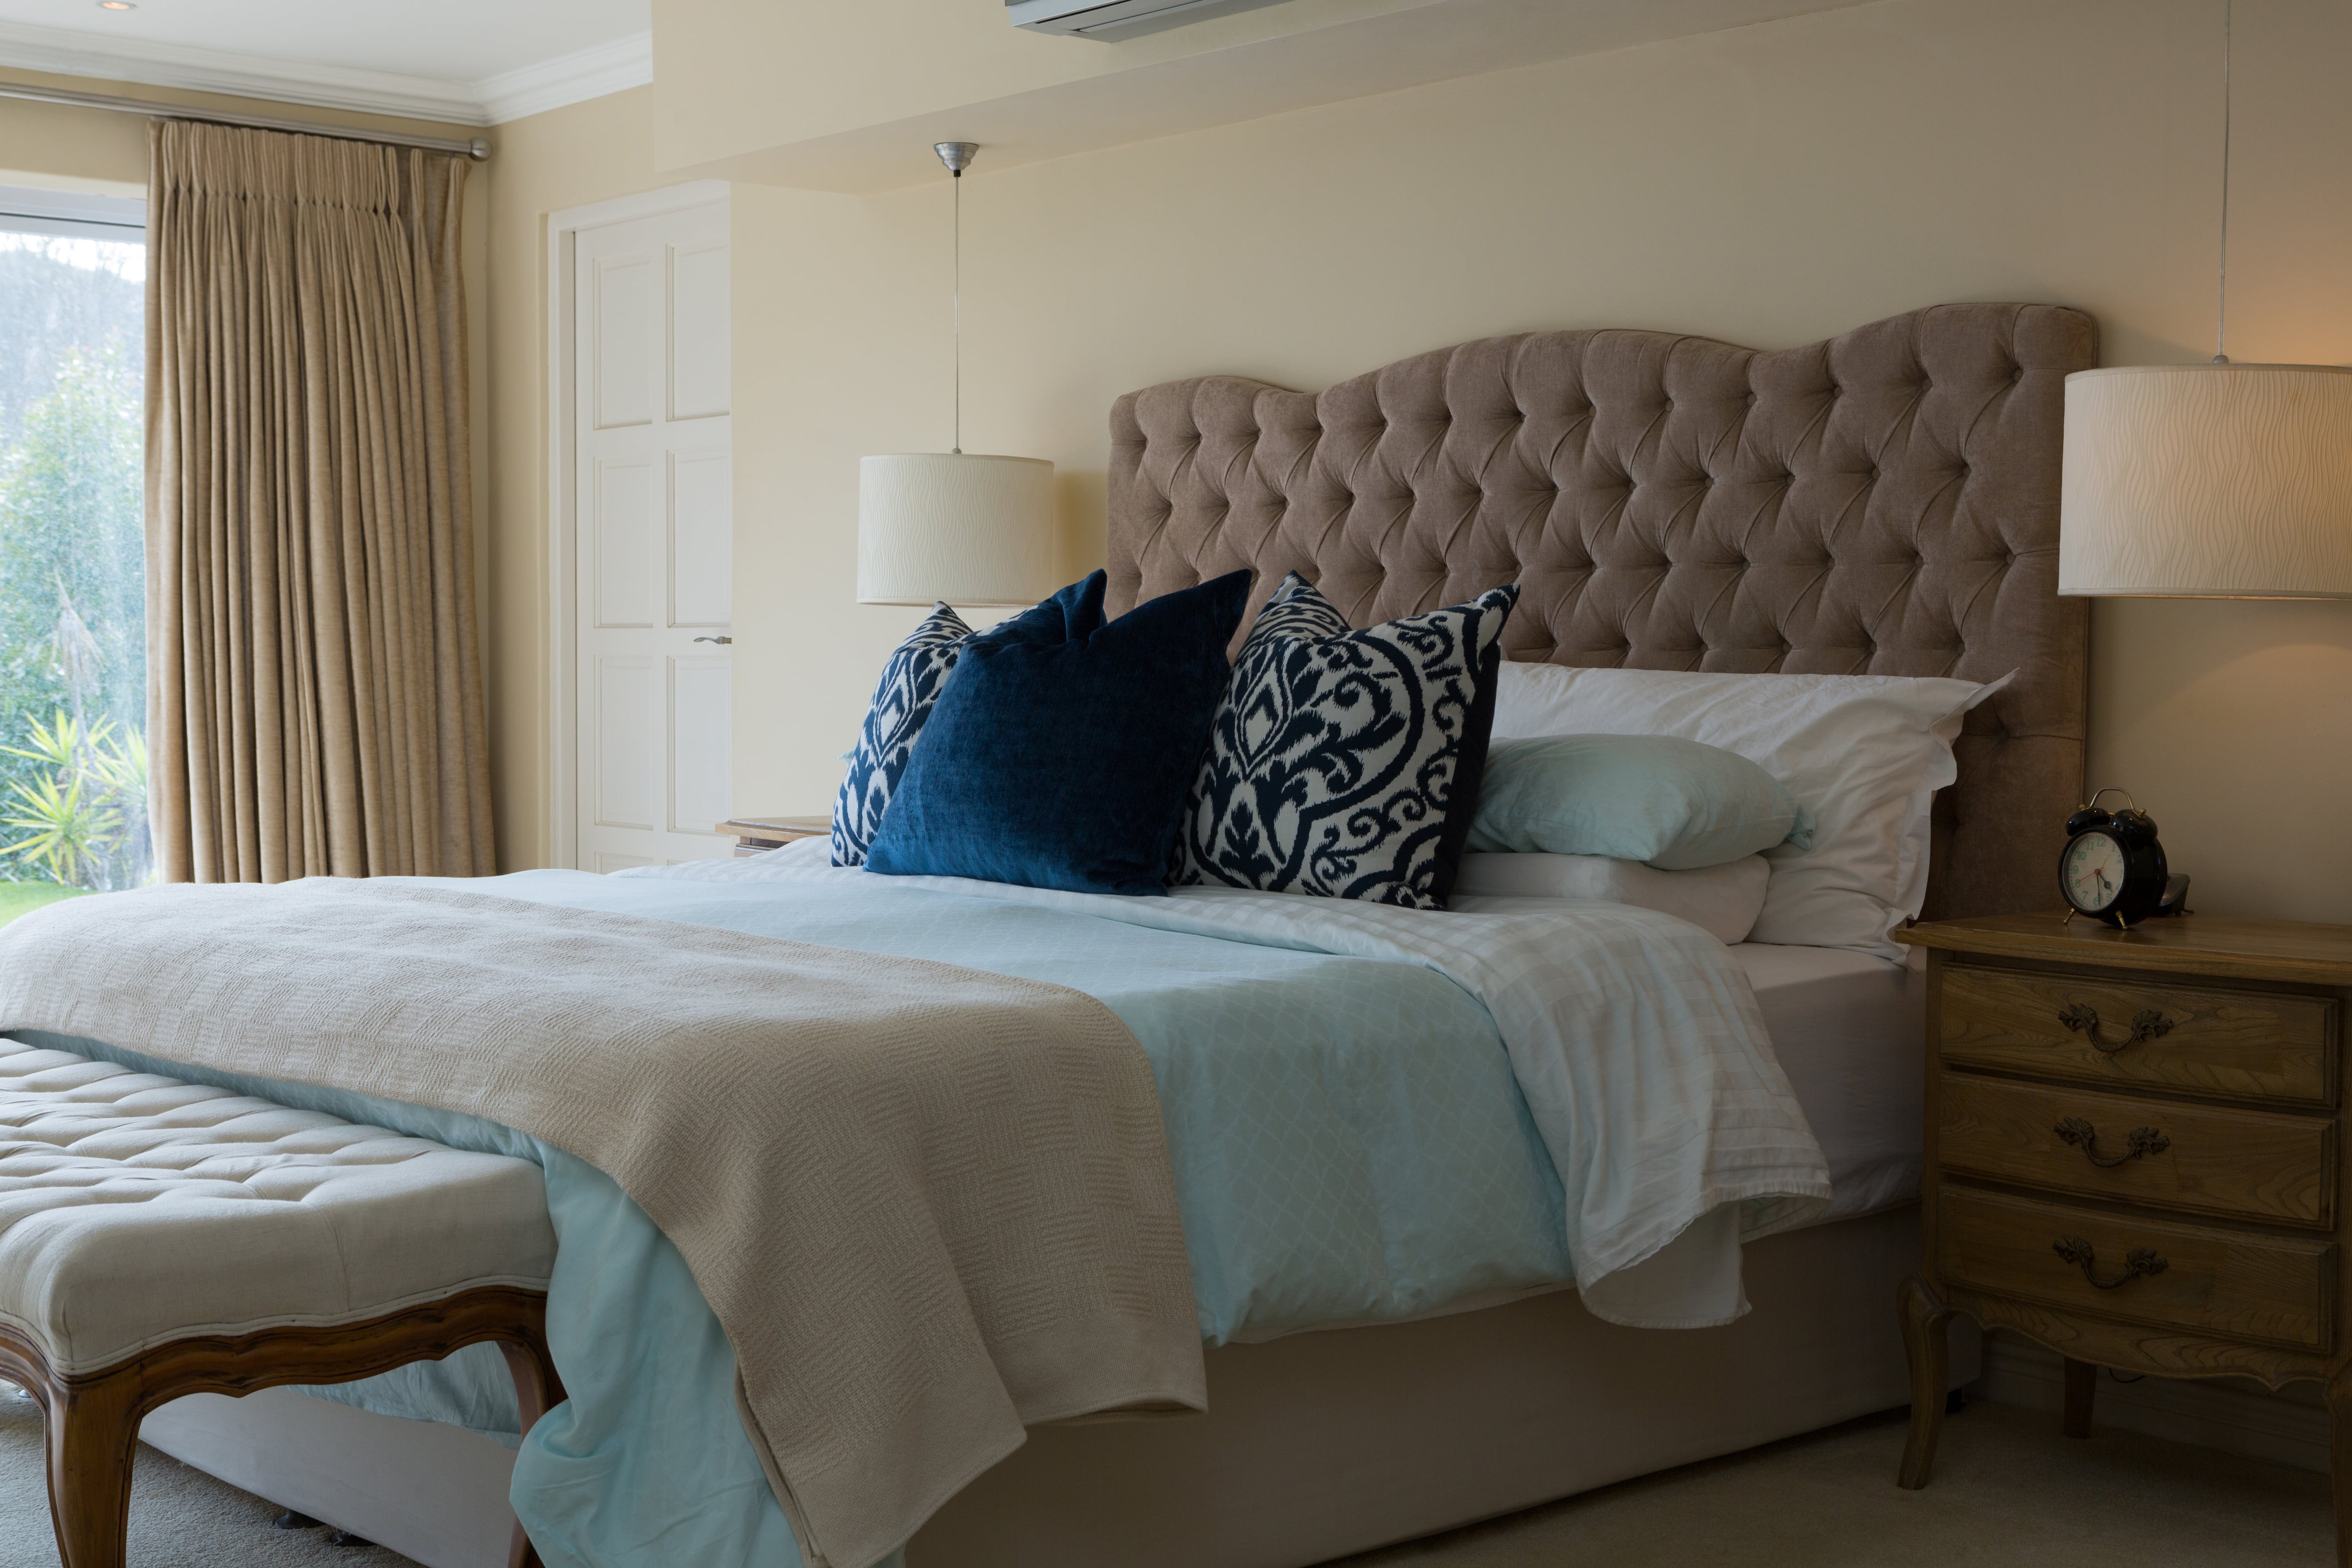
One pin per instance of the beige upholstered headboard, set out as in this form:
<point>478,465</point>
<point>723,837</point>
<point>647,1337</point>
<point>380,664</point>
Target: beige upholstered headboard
<point>1884,502</point>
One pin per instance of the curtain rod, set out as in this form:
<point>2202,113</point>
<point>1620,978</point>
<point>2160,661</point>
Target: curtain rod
<point>477,147</point>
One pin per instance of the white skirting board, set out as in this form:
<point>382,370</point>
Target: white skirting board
<point>2232,1414</point>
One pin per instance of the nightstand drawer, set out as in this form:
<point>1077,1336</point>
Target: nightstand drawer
<point>2230,1284</point>
<point>2242,1045</point>
<point>2258,1165</point>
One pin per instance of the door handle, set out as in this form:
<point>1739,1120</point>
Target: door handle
<point>719,640</point>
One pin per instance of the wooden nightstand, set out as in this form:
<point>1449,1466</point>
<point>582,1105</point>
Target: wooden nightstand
<point>2133,1156</point>
<point>758,835</point>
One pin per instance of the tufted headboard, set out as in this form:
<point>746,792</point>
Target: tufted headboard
<point>1884,502</point>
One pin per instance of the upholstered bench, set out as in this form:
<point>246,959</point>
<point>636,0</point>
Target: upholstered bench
<point>159,1238</point>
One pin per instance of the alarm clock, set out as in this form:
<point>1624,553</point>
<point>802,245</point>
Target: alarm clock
<point>2112,868</point>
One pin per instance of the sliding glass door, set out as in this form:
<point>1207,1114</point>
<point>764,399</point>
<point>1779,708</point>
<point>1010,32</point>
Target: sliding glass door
<point>73,661</point>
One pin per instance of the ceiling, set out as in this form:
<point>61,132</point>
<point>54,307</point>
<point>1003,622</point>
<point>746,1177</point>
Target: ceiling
<point>458,60</point>
<point>850,95</point>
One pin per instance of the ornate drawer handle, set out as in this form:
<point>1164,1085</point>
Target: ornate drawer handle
<point>2138,1262</point>
<point>2138,1142</point>
<point>2147,1023</point>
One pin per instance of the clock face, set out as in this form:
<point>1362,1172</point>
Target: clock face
<point>2093,872</point>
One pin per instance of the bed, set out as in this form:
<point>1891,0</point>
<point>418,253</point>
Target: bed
<point>1883,502</point>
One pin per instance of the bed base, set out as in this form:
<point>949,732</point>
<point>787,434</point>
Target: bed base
<point>1315,1445</point>
<point>1324,1444</point>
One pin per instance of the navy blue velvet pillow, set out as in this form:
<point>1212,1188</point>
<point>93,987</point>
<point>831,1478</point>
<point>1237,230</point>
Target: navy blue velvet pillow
<point>1075,611</point>
<point>1061,760</point>
<point>912,679</point>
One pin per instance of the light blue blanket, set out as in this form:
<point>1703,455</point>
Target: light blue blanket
<point>1349,1143</point>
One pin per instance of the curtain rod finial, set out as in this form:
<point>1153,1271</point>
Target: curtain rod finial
<point>478,148</point>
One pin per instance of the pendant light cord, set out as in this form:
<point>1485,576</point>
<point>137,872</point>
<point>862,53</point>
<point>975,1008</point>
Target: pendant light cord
<point>955,156</point>
<point>2221,308</point>
<point>957,448</point>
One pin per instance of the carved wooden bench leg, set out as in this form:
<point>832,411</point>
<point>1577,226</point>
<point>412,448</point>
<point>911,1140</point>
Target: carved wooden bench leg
<point>538,1390</point>
<point>92,1430</point>
<point>1928,1347</point>
<point>92,1421</point>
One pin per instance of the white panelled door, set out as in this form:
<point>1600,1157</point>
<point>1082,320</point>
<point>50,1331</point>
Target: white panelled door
<point>655,538</point>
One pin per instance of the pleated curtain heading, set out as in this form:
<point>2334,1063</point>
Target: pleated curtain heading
<point>315,684</point>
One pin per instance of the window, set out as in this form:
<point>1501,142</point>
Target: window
<point>73,661</point>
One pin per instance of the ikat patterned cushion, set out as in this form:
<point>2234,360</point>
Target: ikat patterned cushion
<point>1346,764</point>
<point>911,680</point>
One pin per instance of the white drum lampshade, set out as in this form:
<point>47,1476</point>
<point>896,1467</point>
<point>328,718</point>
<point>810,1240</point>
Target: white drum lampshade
<point>969,528</point>
<point>2207,480</point>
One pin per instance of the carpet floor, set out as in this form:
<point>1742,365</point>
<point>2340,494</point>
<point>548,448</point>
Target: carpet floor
<point>180,1517</point>
<point>2009,1492</point>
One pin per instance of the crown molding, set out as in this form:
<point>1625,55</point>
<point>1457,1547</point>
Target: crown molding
<point>65,52</point>
<point>592,72</point>
<point>528,89</point>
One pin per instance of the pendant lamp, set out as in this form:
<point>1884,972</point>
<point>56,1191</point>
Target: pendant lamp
<point>964,527</point>
<point>2215,480</point>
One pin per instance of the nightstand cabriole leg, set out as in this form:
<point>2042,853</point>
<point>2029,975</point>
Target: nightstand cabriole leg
<point>1927,1345</point>
<point>2339,1411</point>
<point>2081,1389</point>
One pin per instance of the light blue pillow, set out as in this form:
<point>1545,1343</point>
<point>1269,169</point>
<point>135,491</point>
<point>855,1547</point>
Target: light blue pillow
<point>1672,803</point>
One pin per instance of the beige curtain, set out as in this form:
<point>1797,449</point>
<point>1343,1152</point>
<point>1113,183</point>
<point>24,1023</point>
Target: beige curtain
<point>315,693</point>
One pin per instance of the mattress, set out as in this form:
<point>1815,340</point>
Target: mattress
<point>1849,1030</point>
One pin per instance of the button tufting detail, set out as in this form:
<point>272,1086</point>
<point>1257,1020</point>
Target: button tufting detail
<point>1423,530</point>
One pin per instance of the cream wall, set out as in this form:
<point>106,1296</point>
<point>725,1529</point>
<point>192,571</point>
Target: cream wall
<point>564,158</point>
<point>1768,186</point>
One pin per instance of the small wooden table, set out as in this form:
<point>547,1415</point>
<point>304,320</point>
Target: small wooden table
<point>758,835</point>
<point>2134,1157</point>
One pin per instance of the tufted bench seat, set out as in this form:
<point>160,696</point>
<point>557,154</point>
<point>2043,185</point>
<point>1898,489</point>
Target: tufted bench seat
<point>160,1239</point>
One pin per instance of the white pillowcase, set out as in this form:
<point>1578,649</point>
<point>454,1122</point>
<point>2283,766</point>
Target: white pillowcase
<point>1865,753</point>
<point>1722,901</point>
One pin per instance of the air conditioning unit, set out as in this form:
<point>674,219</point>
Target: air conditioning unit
<point>1119,18</point>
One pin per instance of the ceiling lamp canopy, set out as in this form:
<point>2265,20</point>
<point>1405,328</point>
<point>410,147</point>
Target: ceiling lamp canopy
<point>2211,480</point>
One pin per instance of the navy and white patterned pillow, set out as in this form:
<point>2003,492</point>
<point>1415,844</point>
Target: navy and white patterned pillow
<point>911,680</point>
<point>1346,762</point>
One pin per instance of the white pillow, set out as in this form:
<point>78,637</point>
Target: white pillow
<point>1865,753</point>
<point>1722,901</point>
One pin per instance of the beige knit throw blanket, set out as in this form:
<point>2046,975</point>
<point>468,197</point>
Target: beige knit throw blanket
<point>930,1206</point>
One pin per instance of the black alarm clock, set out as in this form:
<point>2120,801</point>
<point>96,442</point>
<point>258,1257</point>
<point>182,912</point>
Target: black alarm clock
<point>2113,868</point>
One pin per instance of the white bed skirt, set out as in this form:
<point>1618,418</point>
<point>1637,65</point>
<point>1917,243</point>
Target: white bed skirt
<point>1315,1446</point>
